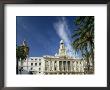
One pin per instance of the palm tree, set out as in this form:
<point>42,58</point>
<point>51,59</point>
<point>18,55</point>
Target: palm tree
<point>21,54</point>
<point>84,37</point>
<point>17,57</point>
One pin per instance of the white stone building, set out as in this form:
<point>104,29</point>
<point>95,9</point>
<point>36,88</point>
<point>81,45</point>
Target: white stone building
<point>33,64</point>
<point>61,63</point>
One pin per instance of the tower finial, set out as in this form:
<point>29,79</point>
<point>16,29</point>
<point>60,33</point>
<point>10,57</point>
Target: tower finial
<point>61,42</point>
<point>24,42</point>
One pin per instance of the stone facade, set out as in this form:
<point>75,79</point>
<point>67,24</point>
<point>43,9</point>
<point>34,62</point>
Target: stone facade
<point>61,63</point>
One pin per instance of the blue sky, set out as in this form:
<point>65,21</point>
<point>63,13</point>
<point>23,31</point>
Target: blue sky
<point>43,33</point>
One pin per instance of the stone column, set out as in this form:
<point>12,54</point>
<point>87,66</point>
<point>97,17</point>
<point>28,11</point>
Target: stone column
<point>53,63</point>
<point>66,66</point>
<point>79,67</point>
<point>49,65</point>
<point>27,64</point>
<point>45,68</point>
<point>71,66</point>
<point>62,65</point>
<point>57,65</point>
<point>82,66</point>
<point>75,66</point>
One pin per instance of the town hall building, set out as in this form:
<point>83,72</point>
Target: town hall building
<point>61,63</point>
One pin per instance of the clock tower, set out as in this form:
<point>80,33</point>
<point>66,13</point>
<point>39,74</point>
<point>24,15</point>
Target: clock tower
<point>62,49</point>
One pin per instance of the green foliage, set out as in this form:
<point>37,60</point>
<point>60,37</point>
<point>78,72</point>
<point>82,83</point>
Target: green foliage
<point>22,52</point>
<point>83,37</point>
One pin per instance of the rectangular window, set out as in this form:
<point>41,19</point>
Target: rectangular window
<point>31,64</point>
<point>35,64</point>
<point>39,63</point>
<point>39,69</point>
<point>31,68</point>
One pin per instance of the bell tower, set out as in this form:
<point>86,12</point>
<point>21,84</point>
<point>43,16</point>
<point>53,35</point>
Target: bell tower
<point>62,50</point>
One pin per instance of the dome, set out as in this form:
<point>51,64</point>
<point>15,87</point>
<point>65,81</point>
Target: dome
<point>61,41</point>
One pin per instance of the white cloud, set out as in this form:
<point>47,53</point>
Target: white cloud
<point>63,32</point>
